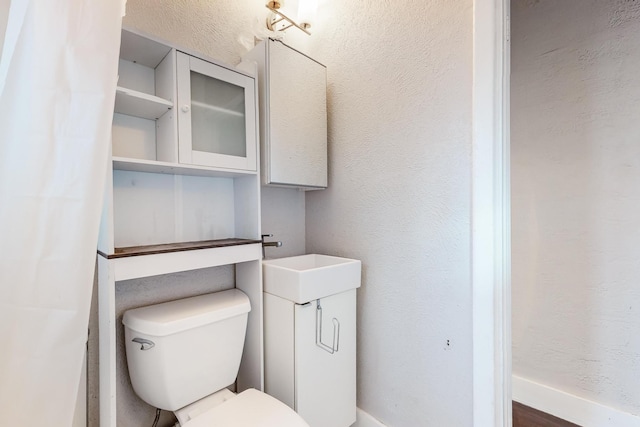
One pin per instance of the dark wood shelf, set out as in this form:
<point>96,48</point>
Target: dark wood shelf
<point>176,247</point>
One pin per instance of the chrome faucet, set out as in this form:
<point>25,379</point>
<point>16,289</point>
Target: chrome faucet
<point>265,244</point>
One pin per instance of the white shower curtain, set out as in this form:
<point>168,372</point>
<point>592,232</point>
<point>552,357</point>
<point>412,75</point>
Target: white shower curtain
<point>58,72</point>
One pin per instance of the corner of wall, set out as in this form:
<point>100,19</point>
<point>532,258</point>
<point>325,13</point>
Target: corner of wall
<point>363,419</point>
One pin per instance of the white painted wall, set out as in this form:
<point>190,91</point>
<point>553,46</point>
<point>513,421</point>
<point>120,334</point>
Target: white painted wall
<point>399,98</point>
<point>576,198</point>
<point>399,199</point>
<point>283,212</point>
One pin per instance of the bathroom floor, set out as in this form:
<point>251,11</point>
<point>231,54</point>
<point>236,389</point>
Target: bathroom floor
<point>524,416</point>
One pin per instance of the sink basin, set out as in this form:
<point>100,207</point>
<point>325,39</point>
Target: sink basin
<point>306,278</point>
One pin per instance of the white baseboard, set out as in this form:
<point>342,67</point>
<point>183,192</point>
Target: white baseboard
<point>569,407</point>
<point>365,420</point>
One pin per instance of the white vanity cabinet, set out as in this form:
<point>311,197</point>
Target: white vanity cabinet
<point>317,381</point>
<point>293,116</point>
<point>184,190</point>
<point>310,336</point>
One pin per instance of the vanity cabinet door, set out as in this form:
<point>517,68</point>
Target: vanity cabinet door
<point>325,382</point>
<point>216,115</point>
<point>297,103</point>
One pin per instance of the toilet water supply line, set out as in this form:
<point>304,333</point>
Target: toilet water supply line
<point>336,331</point>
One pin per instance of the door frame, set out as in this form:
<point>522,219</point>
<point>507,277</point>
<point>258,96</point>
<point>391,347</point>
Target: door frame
<point>490,216</point>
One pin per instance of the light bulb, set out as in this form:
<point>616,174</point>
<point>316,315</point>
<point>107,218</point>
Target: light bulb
<point>307,11</point>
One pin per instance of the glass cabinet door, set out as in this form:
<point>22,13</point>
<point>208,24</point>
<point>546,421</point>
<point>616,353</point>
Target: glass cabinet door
<point>216,118</point>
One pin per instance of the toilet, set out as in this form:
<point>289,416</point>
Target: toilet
<point>183,354</point>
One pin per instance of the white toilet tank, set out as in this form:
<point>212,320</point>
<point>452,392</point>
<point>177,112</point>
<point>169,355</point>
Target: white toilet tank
<point>181,351</point>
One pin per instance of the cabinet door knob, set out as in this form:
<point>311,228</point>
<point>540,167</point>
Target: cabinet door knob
<point>185,108</point>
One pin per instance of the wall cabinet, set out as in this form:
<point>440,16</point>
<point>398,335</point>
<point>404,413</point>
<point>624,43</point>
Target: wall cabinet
<point>184,150</point>
<point>184,190</point>
<point>293,116</point>
<point>174,108</point>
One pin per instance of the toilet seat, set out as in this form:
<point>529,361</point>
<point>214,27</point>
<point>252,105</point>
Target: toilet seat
<point>251,408</point>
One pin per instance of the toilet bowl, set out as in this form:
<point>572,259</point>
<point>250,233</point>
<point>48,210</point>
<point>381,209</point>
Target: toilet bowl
<point>182,356</point>
<point>251,408</point>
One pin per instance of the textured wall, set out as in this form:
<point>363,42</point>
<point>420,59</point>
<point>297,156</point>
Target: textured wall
<point>576,197</point>
<point>283,212</point>
<point>212,27</point>
<point>398,199</point>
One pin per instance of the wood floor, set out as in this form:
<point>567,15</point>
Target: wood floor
<point>524,416</point>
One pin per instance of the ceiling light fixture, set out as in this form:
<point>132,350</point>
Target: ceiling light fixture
<point>278,21</point>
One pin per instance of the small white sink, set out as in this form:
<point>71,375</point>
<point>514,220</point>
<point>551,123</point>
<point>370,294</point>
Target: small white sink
<point>306,278</point>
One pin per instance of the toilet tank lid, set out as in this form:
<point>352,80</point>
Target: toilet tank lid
<point>188,313</point>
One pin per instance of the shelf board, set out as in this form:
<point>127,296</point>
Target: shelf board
<point>215,108</point>
<point>140,104</point>
<point>154,166</point>
<point>142,50</point>
<point>176,247</point>
<point>153,260</point>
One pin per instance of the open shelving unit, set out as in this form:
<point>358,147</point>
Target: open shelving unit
<point>163,214</point>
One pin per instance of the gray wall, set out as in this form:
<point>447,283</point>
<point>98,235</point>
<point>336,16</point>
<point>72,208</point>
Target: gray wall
<point>398,199</point>
<point>576,197</point>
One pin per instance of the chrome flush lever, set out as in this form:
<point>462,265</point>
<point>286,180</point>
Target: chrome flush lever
<point>144,344</point>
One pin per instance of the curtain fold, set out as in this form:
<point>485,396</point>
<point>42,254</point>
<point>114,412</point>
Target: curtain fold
<point>58,73</point>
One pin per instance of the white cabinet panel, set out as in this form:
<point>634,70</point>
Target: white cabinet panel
<point>279,341</point>
<point>319,384</point>
<point>325,382</point>
<point>298,118</point>
<point>293,116</point>
<point>216,119</point>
